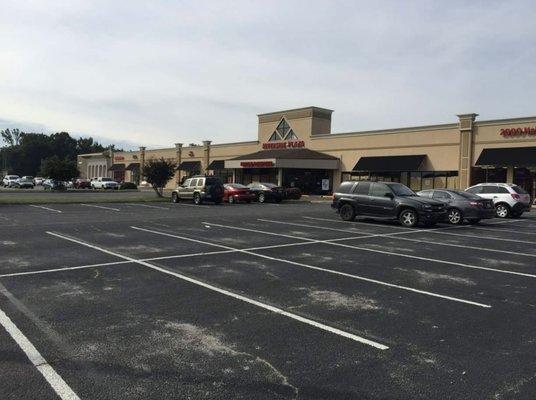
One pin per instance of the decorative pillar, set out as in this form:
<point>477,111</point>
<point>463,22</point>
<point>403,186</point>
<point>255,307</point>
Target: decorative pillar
<point>178,157</point>
<point>206,155</point>
<point>465,160</point>
<point>510,174</point>
<point>142,163</point>
<point>280,177</point>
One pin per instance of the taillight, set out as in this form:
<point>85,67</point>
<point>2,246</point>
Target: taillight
<point>516,196</point>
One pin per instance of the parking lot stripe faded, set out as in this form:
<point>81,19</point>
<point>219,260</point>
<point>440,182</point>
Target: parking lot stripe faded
<point>57,383</point>
<point>398,237</point>
<point>102,207</point>
<point>46,208</point>
<point>357,277</point>
<point>480,237</point>
<point>147,206</point>
<point>335,242</point>
<point>225,292</point>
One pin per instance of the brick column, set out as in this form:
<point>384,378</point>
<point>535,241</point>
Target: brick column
<point>142,163</point>
<point>178,157</point>
<point>206,155</point>
<point>465,160</point>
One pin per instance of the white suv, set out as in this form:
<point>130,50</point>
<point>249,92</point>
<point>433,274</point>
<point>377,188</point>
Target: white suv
<point>9,180</point>
<point>509,199</point>
<point>104,183</point>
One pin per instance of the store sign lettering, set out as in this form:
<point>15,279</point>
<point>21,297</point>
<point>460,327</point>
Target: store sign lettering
<point>283,145</point>
<point>257,164</point>
<point>119,158</point>
<point>508,132</point>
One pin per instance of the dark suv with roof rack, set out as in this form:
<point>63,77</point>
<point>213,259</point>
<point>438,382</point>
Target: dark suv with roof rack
<point>386,200</point>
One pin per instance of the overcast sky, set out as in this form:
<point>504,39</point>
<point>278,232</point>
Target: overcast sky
<point>158,72</point>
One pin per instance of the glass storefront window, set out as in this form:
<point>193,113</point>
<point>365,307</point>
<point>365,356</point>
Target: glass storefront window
<point>452,180</point>
<point>415,181</point>
<point>440,180</point>
<point>427,180</point>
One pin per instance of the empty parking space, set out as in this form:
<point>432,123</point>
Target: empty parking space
<point>259,301</point>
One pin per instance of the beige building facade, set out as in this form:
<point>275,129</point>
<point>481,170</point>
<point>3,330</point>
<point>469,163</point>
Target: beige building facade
<point>297,148</point>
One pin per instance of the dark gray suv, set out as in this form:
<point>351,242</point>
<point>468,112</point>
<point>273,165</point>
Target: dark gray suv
<point>386,200</point>
<point>199,189</point>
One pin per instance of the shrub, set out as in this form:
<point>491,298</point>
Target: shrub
<point>128,186</point>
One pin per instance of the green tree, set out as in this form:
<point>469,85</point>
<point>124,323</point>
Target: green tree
<point>88,145</point>
<point>61,169</point>
<point>158,173</point>
<point>11,137</point>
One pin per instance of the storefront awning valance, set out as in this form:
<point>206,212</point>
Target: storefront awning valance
<point>190,166</point>
<point>508,157</point>
<point>133,167</point>
<point>390,163</point>
<point>117,167</point>
<point>285,158</point>
<point>217,164</point>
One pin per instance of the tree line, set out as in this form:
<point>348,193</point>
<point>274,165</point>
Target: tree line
<point>36,153</point>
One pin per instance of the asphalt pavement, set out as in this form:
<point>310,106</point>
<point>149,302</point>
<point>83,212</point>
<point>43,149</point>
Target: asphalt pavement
<point>261,301</point>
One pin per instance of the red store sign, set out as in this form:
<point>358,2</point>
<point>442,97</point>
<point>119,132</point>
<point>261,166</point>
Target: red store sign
<point>119,158</point>
<point>283,145</point>
<point>257,164</point>
<point>526,131</point>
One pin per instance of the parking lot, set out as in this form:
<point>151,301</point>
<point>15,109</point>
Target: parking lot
<point>261,301</point>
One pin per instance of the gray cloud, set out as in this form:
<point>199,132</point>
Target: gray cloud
<point>156,73</point>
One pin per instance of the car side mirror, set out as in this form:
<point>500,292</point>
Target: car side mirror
<point>390,195</point>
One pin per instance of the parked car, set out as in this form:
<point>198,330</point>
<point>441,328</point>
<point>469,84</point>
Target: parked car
<point>508,199</point>
<point>103,182</point>
<point>461,205</point>
<point>26,182</point>
<point>292,193</point>
<point>386,200</point>
<point>199,189</point>
<point>69,184</point>
<point>235,192</point>
<point>38,181</point>
<point>52,184</point>
<point>267,192</point>
<point>82,184</point>
<point>9,180</point>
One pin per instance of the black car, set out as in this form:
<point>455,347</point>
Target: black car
<point>461,205</point>
<point>267,192</point>
<point>386,200</point>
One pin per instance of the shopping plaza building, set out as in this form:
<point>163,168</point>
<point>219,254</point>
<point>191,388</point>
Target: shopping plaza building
<point>297,148</point>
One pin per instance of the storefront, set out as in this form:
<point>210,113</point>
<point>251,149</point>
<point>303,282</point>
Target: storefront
<point>296,148</point>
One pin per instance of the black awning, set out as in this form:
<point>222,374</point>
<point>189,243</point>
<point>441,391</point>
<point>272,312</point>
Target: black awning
<point>217,164</point>
<point>133,167</point>
<point>390,163</point>
<point>117,167</point>
<point>190,166</point>
<point>508,157</point>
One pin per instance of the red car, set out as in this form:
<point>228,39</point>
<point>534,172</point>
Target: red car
<point>235,192</point>
<point>82,184</point>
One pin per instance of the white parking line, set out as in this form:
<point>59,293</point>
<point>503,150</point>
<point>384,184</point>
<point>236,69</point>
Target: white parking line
<point>481,237</point>
<point>147,206</point>
<point>355,223</point>
<point>46,208</point>
<point>245,299</point>
<point>57,383</point>
<point>318,268</point>
<point>398,237</point>
<point>504,230</point>
<point>191,205</point>
<point>392,253</point>
<point>161,258</point>
<point>102,207</point>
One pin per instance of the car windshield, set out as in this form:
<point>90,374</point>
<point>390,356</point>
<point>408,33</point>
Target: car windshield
<point>212,181</point>
<point>269,185</point>
<point>237,186</point>
<point>519,190</point>
<point>466,195</point>
<point>106,179</point>
<point>401,190</point>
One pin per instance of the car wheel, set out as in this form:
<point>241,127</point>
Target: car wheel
<point>455,216</point>
<point>278,200</point>
<point>197,199</point>
<point>174,197</point>
<point>262,198</point>
<point>231,199</point>
<point>502,210</point>
<point>347,212</point>
<point>474,221</point>
<point>248,201</point>
<point>408,218</point>
<point>516,214</point>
